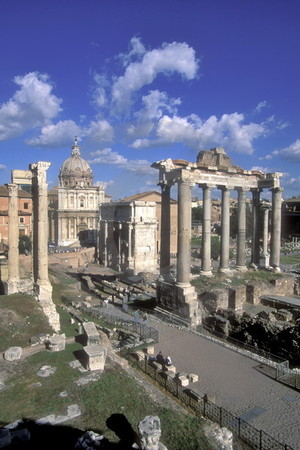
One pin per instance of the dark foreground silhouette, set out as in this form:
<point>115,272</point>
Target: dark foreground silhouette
<point>29,435</point>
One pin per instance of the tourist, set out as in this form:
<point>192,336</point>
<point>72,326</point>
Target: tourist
<point>168,361</point>
<point>145,319</point>
<point>160,359</point>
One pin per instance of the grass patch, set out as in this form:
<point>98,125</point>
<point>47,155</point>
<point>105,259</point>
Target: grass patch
<point>115,392</point>
<point>290,259</point>
<point>21,318</point>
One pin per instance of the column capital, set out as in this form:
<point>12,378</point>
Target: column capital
<point>207,186</point>
<point>12,189</point>
<point>276,189</point>
<point>225,188</point>
<point>241,189</point>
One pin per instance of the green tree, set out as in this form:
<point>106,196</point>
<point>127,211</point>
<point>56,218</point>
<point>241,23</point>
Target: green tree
<point>24,245</point>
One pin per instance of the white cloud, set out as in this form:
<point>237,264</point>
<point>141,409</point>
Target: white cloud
<point>108,157</point>
<point>2,167</point>
<point>261,105</point>
<point>33,105</point>
<point>290,153</point>
<point>56,135</point>
<point>63,132</point>
<point>262,169</point>
<point>229,131</point>
<point>170,58</point>
<point>100,131</point>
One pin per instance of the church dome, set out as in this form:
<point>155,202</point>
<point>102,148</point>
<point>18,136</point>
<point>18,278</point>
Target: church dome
<point>75,171</point>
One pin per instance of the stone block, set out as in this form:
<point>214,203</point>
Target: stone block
<point>170,368</point>
<point>91,333</point>
<point>193,377</point>
<point>57,342</point>
<point>13,353</point>
<point>94,357</point>
<point>149,350</point>
<point>182,380</point>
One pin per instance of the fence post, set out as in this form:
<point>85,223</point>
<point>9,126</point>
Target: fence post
<point>239,426</point>
<point>260,440</point>
<point>221,411</point>
<point>204,404</point>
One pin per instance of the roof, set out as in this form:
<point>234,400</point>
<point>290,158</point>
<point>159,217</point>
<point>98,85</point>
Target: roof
<point>21,193</point>
<point>145,196</point>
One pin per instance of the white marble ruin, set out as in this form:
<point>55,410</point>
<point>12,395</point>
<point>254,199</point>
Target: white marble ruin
<point>213,169</point>
<point>41,284</point>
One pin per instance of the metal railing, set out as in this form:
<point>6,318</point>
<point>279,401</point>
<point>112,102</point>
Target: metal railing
<point>202,406</point>
<point>144,331</point>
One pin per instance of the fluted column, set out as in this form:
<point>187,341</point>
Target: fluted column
<point>255,226</point>
<point>241,234</point>
<point>266,230</point>
<point>13,239</point>
<point>206,231</point>
<point>225,229</point>
<point>40,222</point>
<point>165,230</point>
<point>184,233</point>
<point>276,228</point>
<point>119,256</point>
<point>105,246</point>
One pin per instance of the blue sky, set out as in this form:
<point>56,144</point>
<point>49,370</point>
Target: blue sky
<point>139,81</point>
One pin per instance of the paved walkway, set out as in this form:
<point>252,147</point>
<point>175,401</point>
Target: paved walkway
<point>235,383</point>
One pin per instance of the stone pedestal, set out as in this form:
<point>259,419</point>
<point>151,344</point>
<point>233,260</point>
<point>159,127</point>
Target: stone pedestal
<point>91,333</point>
<point>57,343</point>
<point>182,298</point>
<point>94,357</point>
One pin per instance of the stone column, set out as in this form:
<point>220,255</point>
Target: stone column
<point>276,228</point>
<point>104,243</point>
<point>241,235</point>
<point>119,256</point>
<point>43,288</point>
<point>165,231</point>
<point>225,229</point>
<point>265,254</point>
<point>184,233</point>
<point>255,226</point>
<point>130,258</point>
<point>13,240</point>
<point>206,231</point>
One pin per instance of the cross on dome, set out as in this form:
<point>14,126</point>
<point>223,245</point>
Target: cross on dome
<point>75,148</point>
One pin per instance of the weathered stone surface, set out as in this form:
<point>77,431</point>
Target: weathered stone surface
<point>57,342</point>
<point>182,380</point>
<point>94,357</point>
<point>193,377</point>
<point>150,433</point>
<point>46,371</point>
<point>223,439</point>
<point>13,353</point>
<point>91,333</point>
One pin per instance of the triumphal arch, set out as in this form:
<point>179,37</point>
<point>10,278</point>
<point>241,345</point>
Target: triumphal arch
<point>213,169</point>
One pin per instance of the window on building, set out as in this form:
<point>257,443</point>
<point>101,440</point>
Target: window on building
<point>21,219</point>
<point>26,205</point>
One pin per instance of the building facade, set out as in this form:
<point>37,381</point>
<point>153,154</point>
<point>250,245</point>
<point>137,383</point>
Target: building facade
<point>74,204</point>
<point>24,213</point>
<point>128,236</point>
<point>154,196</point>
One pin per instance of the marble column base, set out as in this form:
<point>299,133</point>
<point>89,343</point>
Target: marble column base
<point>206,273</point>
<point>241,268</point>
